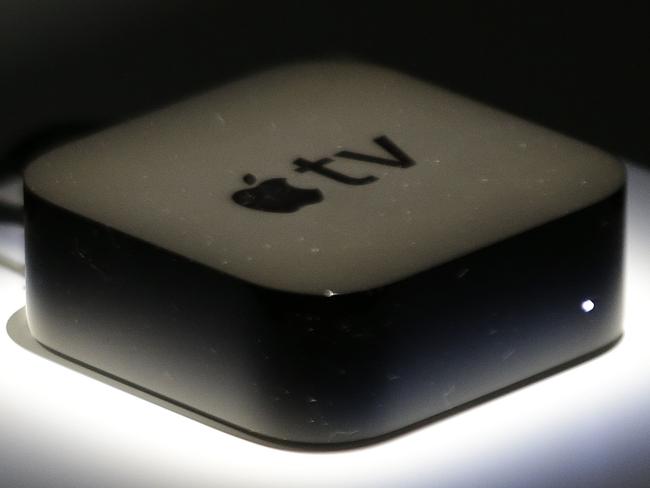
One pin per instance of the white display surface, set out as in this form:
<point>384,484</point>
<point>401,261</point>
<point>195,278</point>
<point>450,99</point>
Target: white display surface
<point>588,426</point>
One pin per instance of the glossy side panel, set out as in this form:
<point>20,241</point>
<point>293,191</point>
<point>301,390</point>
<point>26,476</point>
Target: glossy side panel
<point>309,370</point>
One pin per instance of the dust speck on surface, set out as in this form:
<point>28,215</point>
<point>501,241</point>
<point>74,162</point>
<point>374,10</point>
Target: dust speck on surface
<point>507,354</point>
<point>449,392</point>
<point>342,433</point>
<point>462,273</point>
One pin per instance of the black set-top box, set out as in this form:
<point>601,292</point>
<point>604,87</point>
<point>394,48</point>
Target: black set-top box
<point>324,254</point>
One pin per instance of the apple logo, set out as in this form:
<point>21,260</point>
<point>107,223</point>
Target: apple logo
<point>275,195</point>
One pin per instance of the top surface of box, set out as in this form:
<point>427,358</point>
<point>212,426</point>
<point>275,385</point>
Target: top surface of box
<point>324,178</point>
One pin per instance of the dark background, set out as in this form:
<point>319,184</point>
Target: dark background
<point>70,66</point>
